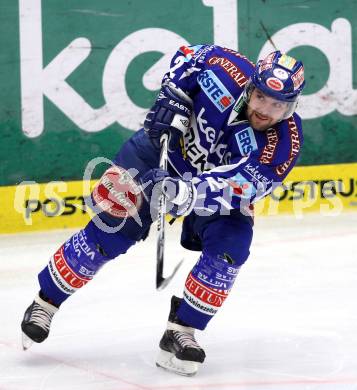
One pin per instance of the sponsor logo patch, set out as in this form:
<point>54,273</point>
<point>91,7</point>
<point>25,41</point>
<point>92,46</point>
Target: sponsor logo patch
<point>215,90</point>
<point>269,149</point>
<point>117,193</point>
<point>180,106</point>
<point>246,141</point>
<point>201,54</point>
<point>298,78</point>
<point>233,71</point>
<point>205,299</point>
<point>287,61</point>
<point>280,73</point>
<point>256,175</point>
<point>80,245</point>
<point>267,63</point>
<point>197,151</point>
<point>63,275</point>
<point>294,150</point>
<point>185,122</point>
<point>274,83</point>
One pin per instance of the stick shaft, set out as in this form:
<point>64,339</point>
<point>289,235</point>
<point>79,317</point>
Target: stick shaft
<point>161,217</point>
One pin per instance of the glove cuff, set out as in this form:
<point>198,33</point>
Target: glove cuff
<point>190,204</point>
<point>178,91</point>
<point>184,200</point>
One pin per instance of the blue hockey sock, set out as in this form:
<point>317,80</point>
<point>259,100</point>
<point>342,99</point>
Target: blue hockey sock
<point>76,262</point>
<point>206,288</point>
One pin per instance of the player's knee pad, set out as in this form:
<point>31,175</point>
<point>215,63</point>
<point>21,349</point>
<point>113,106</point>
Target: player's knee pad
<point>77,261</point>
<point>206,288</point>
<point>228,237</point>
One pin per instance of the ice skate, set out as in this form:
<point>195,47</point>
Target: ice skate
<point>36,322</point>
<point>179,351</point>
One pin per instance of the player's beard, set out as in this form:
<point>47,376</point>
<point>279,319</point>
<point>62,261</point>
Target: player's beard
<point>259,121</point>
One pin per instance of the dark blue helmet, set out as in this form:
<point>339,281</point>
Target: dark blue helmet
<point>279,76</point>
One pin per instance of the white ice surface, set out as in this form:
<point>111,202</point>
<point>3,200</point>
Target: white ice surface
<point>289,323</point>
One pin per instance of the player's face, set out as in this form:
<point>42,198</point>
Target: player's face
<point>264,111</point>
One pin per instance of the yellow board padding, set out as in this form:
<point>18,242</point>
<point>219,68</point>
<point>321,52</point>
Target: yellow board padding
<point>327,189</point>
<point>55,205</point>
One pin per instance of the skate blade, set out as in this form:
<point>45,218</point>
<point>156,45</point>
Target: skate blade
<point>26,342</point>
<point>168,361</point>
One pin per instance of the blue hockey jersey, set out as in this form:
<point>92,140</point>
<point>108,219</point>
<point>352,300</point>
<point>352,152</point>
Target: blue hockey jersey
<point>232,163</point>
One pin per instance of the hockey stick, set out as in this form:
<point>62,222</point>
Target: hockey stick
<point>162,282</point>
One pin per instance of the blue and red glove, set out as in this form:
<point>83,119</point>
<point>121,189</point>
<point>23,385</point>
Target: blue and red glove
<point>170,113</point>
<point>180,194</point>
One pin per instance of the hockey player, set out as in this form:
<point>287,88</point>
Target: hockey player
<point>233,136</point>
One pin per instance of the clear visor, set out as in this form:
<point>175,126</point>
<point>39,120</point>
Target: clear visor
<point>267,106</point>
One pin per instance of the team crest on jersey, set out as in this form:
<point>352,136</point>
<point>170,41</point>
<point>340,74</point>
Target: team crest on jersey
<point>241,186</point>
<point>189,51</point>
<point>246,141</point>
<point>217,93</point>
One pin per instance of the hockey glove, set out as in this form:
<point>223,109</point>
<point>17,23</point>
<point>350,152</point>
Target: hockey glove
<point>171,113</point>
<point>180,194</point>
